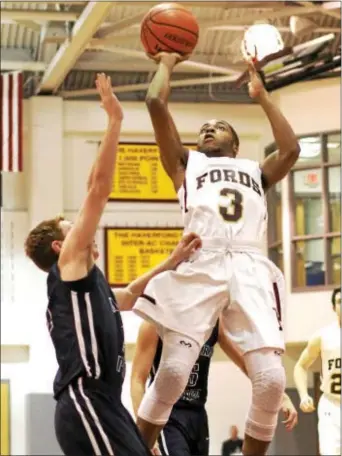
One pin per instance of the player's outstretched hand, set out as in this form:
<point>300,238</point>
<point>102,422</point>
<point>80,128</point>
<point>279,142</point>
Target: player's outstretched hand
<point>307,404</point>
<point>255,85</point>
<point>290,413</point>
<point>185,248</point>
<point>109,102</point>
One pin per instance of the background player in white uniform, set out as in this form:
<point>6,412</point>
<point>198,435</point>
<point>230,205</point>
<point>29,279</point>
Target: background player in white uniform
<point>222,199</point>
<point>327,344</point>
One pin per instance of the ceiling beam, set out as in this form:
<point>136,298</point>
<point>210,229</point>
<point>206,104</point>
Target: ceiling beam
<point>242,28</point>
<point>66,2</point>
<point>103,63</point>
<point>250,18</point>
<point>85,27</point>
<point>37,15</point>
<point>213,4</point>
<point>18,65</point>
<point>327,8</point>
<point>119,25</point>
<point>188,63</point>
<point>30,25</point>
<point>145,85</point>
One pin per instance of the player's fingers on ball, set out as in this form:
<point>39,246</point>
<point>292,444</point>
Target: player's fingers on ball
<point>189,237</point>
<point>194,245</point>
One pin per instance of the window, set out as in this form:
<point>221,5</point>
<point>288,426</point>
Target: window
<point>315,213</point>
<point>275,225</point>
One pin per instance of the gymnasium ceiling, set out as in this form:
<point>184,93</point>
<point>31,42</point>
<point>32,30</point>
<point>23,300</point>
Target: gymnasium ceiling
<point>61,45</point>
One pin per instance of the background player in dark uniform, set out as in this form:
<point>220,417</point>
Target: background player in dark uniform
<point>186,433</point>
<point>83,313</point>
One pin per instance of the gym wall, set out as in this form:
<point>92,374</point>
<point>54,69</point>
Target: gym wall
<point>60,144</point>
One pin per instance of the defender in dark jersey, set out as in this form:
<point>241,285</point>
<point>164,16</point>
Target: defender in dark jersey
<point>83,314</point>
<point>186,433</point>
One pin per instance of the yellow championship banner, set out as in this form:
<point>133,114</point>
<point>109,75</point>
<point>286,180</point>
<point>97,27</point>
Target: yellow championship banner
<point>130,252</point>
<point>5,418</point>
<point>140,176</point>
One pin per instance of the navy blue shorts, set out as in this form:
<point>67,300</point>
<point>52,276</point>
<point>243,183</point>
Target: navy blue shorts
<point>186,433</point>
<point>89,421</point>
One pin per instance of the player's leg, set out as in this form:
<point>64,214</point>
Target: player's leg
<point>201,446</point>
<point>173,439</point>
<point>266,372</point>
<point>91,421</point>
<point>329,427</point>
<point>187,303</point>
<point>178,357</point>
<point>74,431</point>
<point>253,320</point>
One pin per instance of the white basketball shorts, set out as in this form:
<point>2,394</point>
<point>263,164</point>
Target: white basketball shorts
<point>244,286</point>
<point>329,426</point>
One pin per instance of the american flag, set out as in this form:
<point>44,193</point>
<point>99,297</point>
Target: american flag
<point>11,126</point>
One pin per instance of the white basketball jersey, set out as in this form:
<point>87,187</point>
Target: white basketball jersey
<point>331,360</point>
<point>223,197</point>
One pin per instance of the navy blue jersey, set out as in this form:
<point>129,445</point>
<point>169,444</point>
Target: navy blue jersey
<point>86,330</point>
<point>196,391</point>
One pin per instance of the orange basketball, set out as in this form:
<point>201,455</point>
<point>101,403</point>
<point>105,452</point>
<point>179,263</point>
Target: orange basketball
<point>169,27</point>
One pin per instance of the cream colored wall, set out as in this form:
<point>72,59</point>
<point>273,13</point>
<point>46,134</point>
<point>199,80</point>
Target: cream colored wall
<point>310,107</point>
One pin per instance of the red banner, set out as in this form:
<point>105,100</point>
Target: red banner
<point>11,126</point>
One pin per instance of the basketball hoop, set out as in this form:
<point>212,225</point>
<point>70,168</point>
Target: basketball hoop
<point>261,40</point>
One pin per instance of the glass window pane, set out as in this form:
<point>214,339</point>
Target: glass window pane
<point>307,187</point>
<point>334,148</point>
<point>309,263</point>
<point>335,263</point>
<point>275,232</point>
<point>334,185</point>
<point>276,255</point>
<point>310,150</point>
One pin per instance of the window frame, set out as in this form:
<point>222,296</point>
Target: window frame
<point>326,236</point>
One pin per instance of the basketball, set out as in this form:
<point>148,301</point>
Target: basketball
<point>169,27</point>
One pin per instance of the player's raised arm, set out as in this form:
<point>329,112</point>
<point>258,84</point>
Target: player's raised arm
<point>127,297</point>
<point>77,245</point>
<point>277,165</point>
<point>144,354</point>
<point>300,374</point>
<point>172,152</point>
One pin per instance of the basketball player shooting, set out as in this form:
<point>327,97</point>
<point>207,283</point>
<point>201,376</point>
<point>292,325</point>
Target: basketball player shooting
<point>326,344</point>
<point>223,200</point>
<point>187,431</point>
<point>83,313</point>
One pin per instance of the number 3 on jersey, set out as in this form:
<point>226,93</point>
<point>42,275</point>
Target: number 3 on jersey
<point>232,210</point>
<point>336,384</point>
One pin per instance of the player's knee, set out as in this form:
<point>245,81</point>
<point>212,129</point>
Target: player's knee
<point>168,386</point>
<point>268,389</point>
<point>267,396</point>
<point>171,380</point>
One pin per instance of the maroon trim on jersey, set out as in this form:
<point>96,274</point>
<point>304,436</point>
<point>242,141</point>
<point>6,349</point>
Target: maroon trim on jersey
<point>185,195</point>
<point>149,298</point>
<point>278,304</point>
